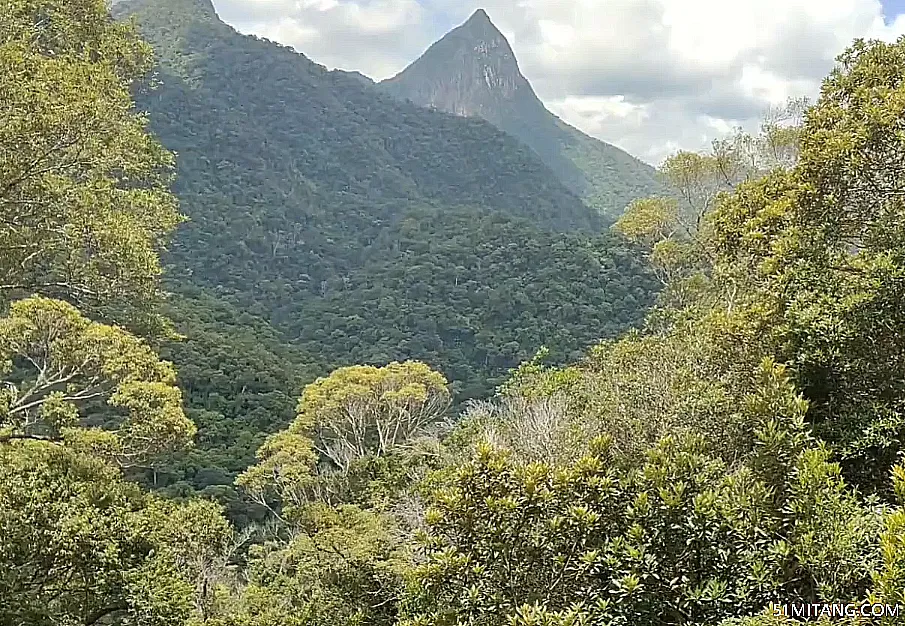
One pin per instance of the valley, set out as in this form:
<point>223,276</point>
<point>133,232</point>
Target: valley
<point>361,230</point>
<point>287,346</point>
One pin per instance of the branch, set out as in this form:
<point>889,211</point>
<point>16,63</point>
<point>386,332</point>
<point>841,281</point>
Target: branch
<point>43,385</point>
<point>26,286</point>
<point>85,394</point>
<point>14,436</point>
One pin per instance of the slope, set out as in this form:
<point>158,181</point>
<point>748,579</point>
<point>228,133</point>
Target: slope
<point>284,118</point>
<point>472,71</point>
<point>368,230</point>
<point>239,380</point>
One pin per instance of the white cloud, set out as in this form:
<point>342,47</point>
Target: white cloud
<point>648,75</point>
<point>362,35</point>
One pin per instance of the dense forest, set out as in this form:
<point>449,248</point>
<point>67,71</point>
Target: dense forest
<point>354,229</point>
<point>738,452</point>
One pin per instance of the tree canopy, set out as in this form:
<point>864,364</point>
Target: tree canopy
<point>741,449</point>
<point>84,194</point>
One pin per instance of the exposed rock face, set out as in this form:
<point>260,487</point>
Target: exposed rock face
<point>473,72</point>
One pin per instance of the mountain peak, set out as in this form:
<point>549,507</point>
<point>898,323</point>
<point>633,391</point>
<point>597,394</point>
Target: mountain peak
<point>480,27</point>
<point>478,17</point>
<point>471,71</point>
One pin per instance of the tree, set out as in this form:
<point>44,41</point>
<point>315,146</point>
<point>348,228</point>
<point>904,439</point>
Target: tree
<point>675,228</point>
<point>889,581</point>
<point>805,246</point>
<point>334,562</point>
<point>683,538</point>
<point>78,545</point>
<point>341,565</point>
<point>821,248</point>
<point>83,187</point>
<point>362,410</point>
<point>638,389</point>
<point>535,430</point>
<point>57,364</point>
<point>349,418</point>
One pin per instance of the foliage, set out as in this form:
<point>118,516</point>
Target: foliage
<point>338,557</point>
<point>80,546</point>
<point>83,186</point>
<point>355,414</point>
<point>822,246</point>
<point>810,254</point>
<point>341,566</point>
<point>681,539</point>
<point>85,211</point>
<point>461,295</point>
<point>359,411</point>
<point>239,379</point>
<point>734,453</point>
<point>676,228</point>
<point>60,361</point>
<point>643,387</point>
<point>889,581</point>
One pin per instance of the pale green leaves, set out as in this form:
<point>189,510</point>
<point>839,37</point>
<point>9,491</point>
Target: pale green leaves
<point>350,415</point>
<point>77,28</point>
<point>362,410</point>
<point>649,220</point>
<point>64,363</point>
<point>83,186</point>
<point>285,469</point>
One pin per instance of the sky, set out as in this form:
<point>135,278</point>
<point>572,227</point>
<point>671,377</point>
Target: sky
<point>650,76</point>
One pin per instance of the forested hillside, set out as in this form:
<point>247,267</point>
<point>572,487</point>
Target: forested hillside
<point>737,459</point>
<point>239,378</point>
<point>472,71</point>
<point>310,199</point>
<point>357,230</point>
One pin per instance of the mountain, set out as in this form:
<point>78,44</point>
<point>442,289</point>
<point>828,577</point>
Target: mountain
<point>350,227</point>
<point>473,72</point>
<point>357,75</point>
<point>274,112</point>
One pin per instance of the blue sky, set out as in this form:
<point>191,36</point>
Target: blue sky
<point>651,76</point>
<point>892,8</point>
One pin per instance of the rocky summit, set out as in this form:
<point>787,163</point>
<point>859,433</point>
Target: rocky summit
<point>473,72</point>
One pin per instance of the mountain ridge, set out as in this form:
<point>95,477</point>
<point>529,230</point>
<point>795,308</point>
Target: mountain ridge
<point>297,77</point>
<point>308,190</point>
<point>359,230</point>
<point>472,71</point>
